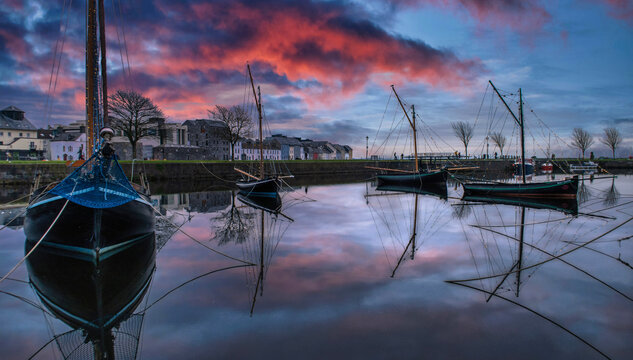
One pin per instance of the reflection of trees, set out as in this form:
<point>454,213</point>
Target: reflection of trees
<point>583,192</point>
<point>611,195</point>
<point>235,225</point>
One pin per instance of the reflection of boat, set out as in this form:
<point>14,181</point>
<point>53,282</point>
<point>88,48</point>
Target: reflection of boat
<point>94,295</point>
<point>547,167</point>
<point>587,167</point>
<point>567,206</point>
<point>563,189</point>
<point>410,178</point>
<point>97,201</point>
<point>529,167</point>
<point>269,204</point>
<point>433,189</point>
<point>262,186</point>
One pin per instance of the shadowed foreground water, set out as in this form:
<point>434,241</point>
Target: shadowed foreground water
<point>344,277</point>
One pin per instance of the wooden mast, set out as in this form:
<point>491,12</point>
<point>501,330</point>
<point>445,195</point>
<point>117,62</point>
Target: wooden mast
<point>91,74</point>
<point>522,136</point>
<point>519,121</point>
<point>259,112</point>
<point>412,123</point>
<point>104,77</point>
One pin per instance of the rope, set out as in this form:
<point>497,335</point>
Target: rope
<point>36,244</point>
<point>210,172</point>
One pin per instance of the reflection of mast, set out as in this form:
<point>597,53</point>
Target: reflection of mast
<point>521,231</point>
<point>259,286</point>
<point>412,239</point>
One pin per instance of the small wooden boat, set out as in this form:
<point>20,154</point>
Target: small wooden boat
<point>529,167</point>
<point>405,178</point>
<point>547,167</point>
<point>553,189</point>
<point>262,185</point>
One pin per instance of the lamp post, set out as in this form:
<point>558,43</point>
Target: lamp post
<point>366,147</point>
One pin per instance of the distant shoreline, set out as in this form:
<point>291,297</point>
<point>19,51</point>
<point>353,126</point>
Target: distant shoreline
<point>23,172</point>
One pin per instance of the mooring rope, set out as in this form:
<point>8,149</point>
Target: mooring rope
<point>36,244</point>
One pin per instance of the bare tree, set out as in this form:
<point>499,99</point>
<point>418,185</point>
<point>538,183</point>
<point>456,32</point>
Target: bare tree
<point>612,139</point>
<point>463,131</point>
<point>499,140</point>
<point>238,123</point>
<point>582,140</point>
<point>132,114</point>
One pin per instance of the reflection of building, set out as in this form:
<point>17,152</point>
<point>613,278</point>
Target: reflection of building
<point>202,202</point>
<point>6,215</point>
<point>209,201</point>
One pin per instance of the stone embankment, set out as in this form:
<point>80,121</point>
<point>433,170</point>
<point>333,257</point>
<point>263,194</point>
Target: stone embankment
<point>325,171</point>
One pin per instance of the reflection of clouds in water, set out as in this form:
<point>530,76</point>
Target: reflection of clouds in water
<point>328,292</point>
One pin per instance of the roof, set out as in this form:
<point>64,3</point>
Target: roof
<point>67,136</point>
<point>12,108</point>
<point>8,123</point>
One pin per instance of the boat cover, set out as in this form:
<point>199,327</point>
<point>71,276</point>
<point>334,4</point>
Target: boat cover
<point>98,183</point>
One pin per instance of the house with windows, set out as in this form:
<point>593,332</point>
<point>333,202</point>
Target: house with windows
<point>68,146</point>
<point>18,136</point>
<point>209,134</point>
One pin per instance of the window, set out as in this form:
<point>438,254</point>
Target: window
<point>1,133</point>
<point>28,134</point>
<point>70,148</point>
<point>64,149</point>
<point>9,133</point>
<point>20,134</point>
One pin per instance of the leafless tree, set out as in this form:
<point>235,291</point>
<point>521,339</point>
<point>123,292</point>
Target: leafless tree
<point>238,123</point>
<point>612,139</point>
<point>463,131</point>
<point>499,140</point>
<point>133,114</point>
<point>236,225</point>
<point>582,140</point>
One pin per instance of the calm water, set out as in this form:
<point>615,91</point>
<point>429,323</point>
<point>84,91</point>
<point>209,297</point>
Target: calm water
<point>342,279</point>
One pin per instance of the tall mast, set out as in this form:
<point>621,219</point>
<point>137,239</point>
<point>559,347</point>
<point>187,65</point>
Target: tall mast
<point>104,77</point>
<point>258,104</point>
<point>412,123</point>
<point>522,136</point>
<point>92,74</point>
<point>261,137</point>
<point>519,121</point>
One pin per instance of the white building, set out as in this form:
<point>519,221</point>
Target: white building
<point>68,146</point>
<point>18,137</point>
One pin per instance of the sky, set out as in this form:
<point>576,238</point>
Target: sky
<point>325,67</point>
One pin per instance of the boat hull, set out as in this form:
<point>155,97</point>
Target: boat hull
<point>87,232</point>
<point>412,180</point>
<point>268,187</point>
<point>433,189</point>
<point>554,189</point>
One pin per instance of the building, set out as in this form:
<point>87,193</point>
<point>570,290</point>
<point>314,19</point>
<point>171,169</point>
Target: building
<point>292,148</point>
<point>251,151</point>
<point>209,134</point>
<point>18,136</point>
<point>68,146</point>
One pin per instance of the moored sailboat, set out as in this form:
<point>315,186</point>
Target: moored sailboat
<point>95,213</point>
<point>262,185</point>
<point>554,189</point>
<point>405,178</point>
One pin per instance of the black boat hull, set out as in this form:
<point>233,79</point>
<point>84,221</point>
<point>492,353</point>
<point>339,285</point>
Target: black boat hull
<point>412,180</point>
<point>85,231</point>
<point>268,187</point>
<point>433,189</point>
<point>553,189</point>
<point>567,206</point>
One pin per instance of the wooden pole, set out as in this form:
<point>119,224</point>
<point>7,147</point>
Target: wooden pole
<point>415,139</point>
<point>91,73</point>
<point>104,77</point>
<point>259,111</point>
<point>522,136</point>
<point>247,174</point>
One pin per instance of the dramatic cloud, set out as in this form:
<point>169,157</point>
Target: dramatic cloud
<point>189,55</point>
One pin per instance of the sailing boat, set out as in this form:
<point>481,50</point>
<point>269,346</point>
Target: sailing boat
<point>406,178</point>
<point>258,186</point>
<point>95,214</point>
<point>552,189</point>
